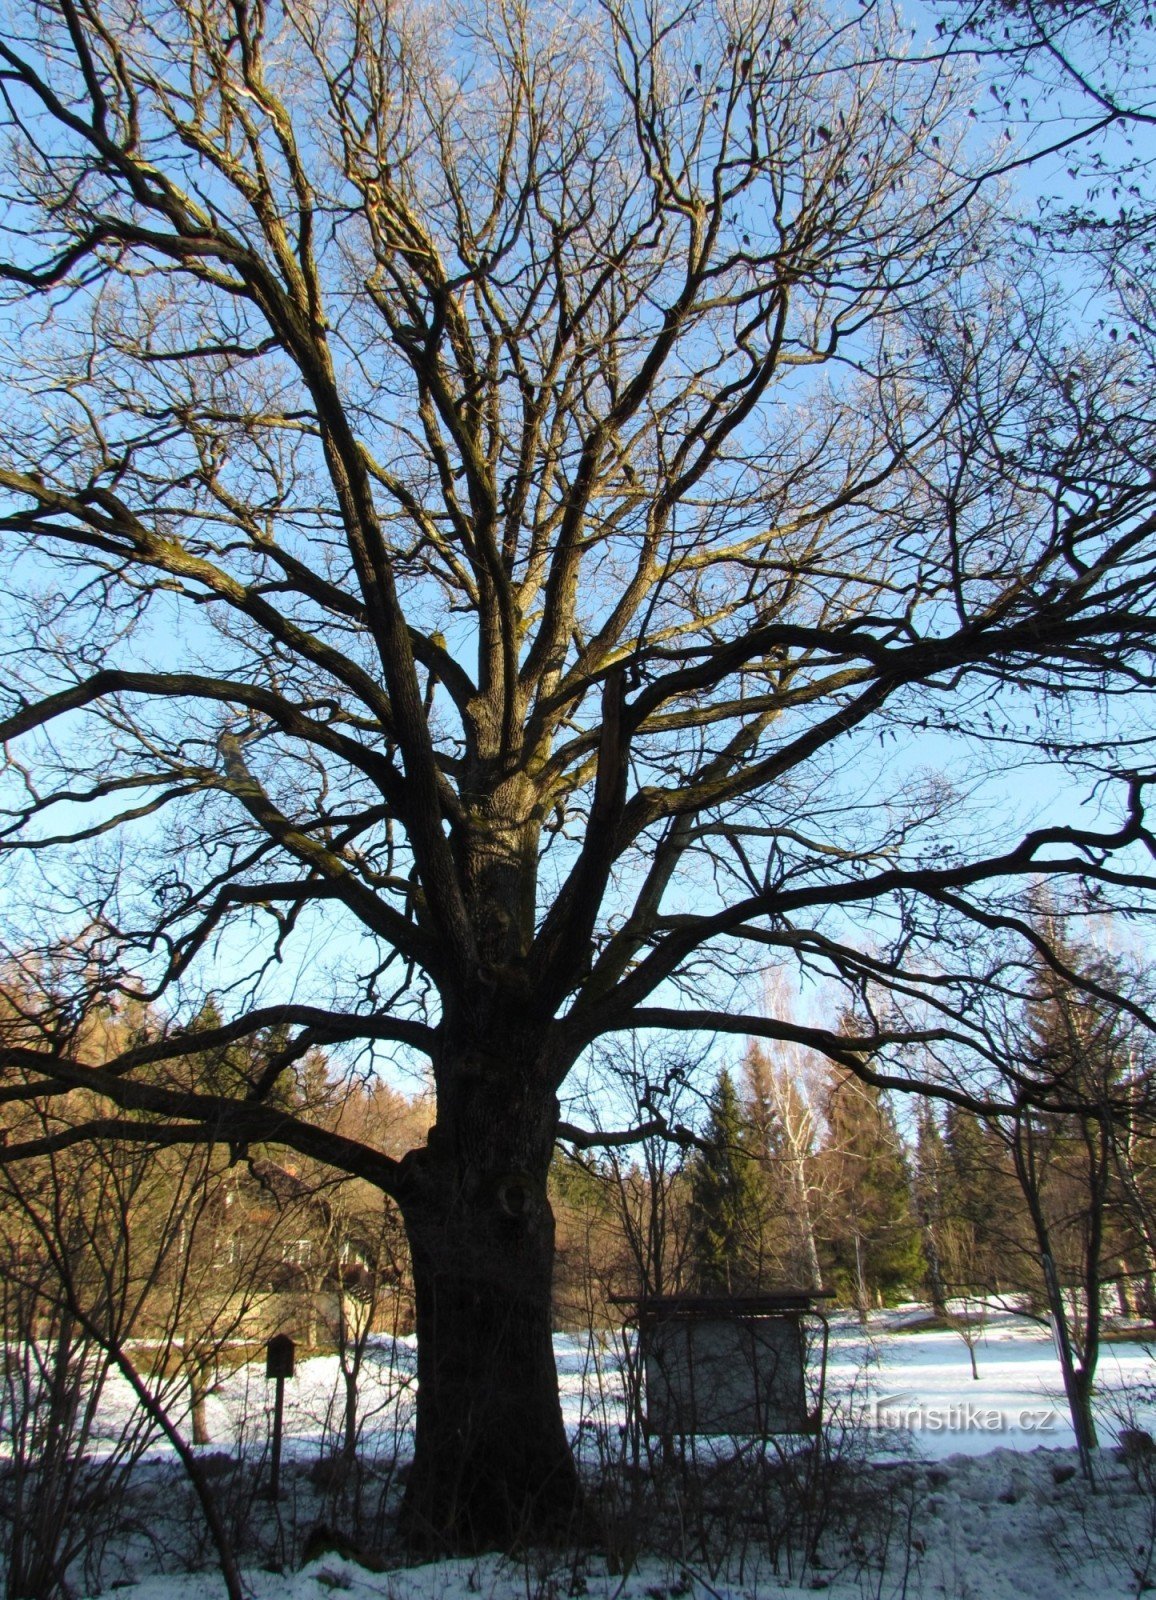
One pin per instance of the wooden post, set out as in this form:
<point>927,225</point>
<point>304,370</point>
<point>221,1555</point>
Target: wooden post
<point>278,1366</point>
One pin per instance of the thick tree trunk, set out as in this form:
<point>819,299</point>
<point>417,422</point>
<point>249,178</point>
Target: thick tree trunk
<point>492,1465</point>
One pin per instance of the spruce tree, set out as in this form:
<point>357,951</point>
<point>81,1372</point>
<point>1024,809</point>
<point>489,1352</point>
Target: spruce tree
<point>873,1242</point>
<point>981,1205</point>
<point>727,1207</point>
<point>929,1191</point>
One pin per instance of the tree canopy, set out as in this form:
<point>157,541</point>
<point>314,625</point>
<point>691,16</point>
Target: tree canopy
<point>514,517</point>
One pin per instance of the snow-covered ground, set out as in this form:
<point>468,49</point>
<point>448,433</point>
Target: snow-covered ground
<point>907,1383</point>
<point>918,1379</point>
<point>947,1486</point>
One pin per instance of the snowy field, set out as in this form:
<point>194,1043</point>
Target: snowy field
<point>948,1487</point>
<point>910,1386</point>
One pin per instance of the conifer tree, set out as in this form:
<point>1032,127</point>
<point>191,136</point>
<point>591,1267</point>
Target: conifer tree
<point>728,1200</point>
<point>1076,1037</point>
<point>955,1245</point>
<point>982,1205</point>
<point>929,1186</point>
<point>873,1240</point>
<point>780,1102</point>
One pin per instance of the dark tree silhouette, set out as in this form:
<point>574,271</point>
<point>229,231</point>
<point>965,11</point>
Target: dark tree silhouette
<point>492,500</point>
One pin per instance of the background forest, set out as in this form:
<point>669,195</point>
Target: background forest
<point>167,1269</point>
<point>783,1170</point>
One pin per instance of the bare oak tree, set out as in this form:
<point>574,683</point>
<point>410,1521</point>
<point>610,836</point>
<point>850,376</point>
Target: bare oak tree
<point>493,495</point>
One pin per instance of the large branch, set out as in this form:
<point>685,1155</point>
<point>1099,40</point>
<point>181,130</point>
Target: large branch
<point>194,235</point>
<point>596,1011</point>
<point>854,1053</point>
<point>321,1027</point>
<point>290,718</point>
<point>606,1139</point>
<point>232,1122</point>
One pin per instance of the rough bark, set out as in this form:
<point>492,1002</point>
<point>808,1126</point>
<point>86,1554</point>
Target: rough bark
<point>492,1465</point>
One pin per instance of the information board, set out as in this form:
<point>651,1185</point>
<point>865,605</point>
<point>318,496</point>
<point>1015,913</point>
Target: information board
<point>725,1375</point>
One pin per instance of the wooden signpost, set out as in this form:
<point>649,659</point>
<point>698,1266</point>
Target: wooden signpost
<point>278,1366</point>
